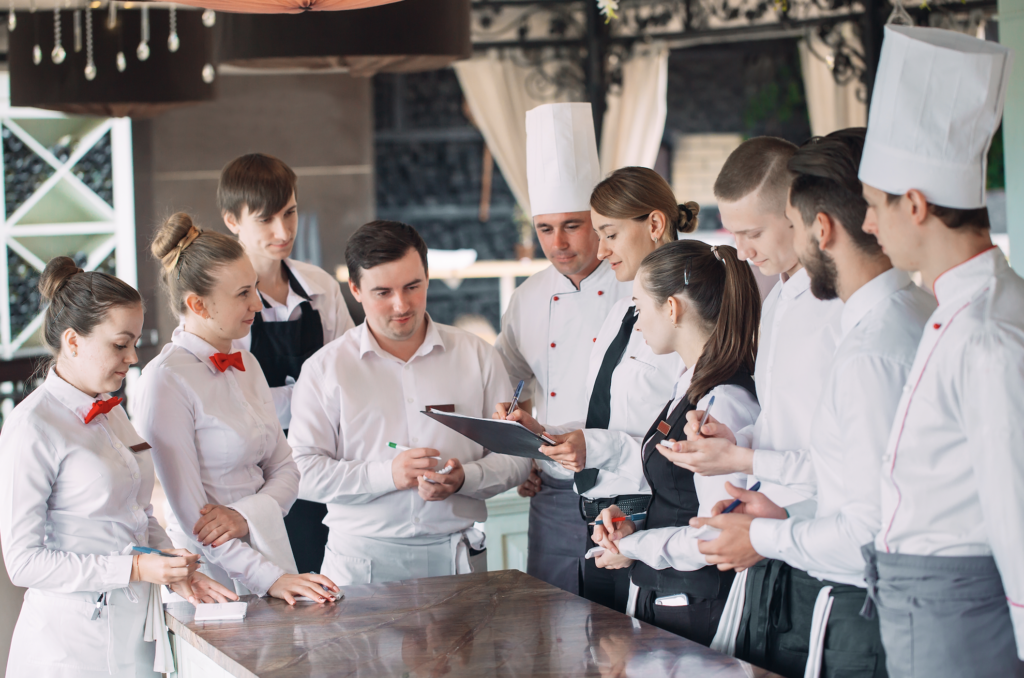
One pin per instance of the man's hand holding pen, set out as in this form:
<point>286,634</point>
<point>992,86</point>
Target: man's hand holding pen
<point>607,536</point>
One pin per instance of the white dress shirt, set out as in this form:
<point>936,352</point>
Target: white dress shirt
<point>882,324</point>
<point>641,385</point>
<point>325,297</point>
<point>73,498</point>
<point>676,547</point>
<point>547,334</point>
<point>953,474</point>
<point>353,398</point>
<point>799,334</point>
<point>216,439</point>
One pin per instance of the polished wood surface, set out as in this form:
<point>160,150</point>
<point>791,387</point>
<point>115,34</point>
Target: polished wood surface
<point>489,624</point>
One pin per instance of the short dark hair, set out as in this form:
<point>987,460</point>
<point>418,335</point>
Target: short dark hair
<point>381,242</point>
<point>826,181</point>
<point>260,182</point>
<point>953,217</point>
<point>758,164</point>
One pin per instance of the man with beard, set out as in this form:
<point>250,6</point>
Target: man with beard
<point>402,491</point>
<point>553,319</point>
<point>822,590</point>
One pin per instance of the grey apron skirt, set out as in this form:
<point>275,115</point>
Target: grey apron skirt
<point>942,616</point>
<point>778,616</point>
<point>557,536</point>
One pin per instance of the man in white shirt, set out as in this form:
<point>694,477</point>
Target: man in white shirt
<point>946,571</point>
<point>553,319</point>
<point>396,513</point>
<point>823,590</point>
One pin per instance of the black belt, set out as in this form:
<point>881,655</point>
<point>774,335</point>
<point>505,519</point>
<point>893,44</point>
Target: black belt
<point>627,503</point>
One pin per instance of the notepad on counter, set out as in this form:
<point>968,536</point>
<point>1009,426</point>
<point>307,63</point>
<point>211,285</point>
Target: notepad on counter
<point>220,612</point>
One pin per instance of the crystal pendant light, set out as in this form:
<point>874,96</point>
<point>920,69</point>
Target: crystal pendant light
<point>209,18</point>
<point>12,18</point>
<point>78,30</point>
<point>90,65</point>
<point>173,43</point>
<point>57,54</point>
<point>209,73</point>
<point>142,51</point>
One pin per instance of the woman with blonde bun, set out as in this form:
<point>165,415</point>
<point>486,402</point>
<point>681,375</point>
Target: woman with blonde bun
<point>220,453</point>
<point>75,486</point>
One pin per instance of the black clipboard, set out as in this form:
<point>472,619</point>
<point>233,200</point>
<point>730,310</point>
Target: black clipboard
<point>496,435</point>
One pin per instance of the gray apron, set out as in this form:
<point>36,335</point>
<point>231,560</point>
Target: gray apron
<point>941,616</point>
<point>557,534</point>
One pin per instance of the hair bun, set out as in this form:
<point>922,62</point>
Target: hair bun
<point>56,274</point>
<point>688,212</point>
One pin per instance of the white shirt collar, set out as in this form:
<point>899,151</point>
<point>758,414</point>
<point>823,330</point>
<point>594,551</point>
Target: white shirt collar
<point>197,346</point>
<point>795,285</point>
<point>75,400</point>
<point>965,279</point>
<point>876,290</point>
<point>682,383</point>
<point>368,343</point>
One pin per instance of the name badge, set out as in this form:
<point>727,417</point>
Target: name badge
<point>664,428</point>
<point>140,447</point>
<point>442,408</point>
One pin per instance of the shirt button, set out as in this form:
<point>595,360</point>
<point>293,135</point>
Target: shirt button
<point>408,400</point>
<point>135,507</point>
<point>595,340</point>
<point>552,344</point>
<point>555,299</point>
<point>552,394</point>
<point>408,367</point>
<point>416,520</point>
<point>413,441</point>
<point>599,293</point>
<point>135,475</point>
<point>937,325</point>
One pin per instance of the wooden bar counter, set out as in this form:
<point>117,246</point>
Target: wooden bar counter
<point>489,624</point>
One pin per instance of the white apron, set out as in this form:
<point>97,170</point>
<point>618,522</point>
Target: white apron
<point>354,560</point>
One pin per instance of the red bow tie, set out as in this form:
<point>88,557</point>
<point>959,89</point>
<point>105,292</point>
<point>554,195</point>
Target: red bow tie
<point>225,360</point>
<point>101,407</point>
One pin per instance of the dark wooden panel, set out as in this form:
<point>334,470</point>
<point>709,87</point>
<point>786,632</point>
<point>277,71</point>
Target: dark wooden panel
<point>500,623</point>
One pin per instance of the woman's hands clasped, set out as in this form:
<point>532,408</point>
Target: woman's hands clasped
<point>316,587</point>
<point>608,535</point>
<point>219,525</point>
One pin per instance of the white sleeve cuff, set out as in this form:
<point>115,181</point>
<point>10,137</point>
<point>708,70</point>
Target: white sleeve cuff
<point>766,537</point>
<point>380,477</point>
<point>474,476</point>
<point>768,466</point>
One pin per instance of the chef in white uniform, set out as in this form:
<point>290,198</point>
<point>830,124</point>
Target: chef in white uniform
<point>553,319</point>
<point>218,447</point>
<point>75,498</point>
<point>634,212</point>
<point>392,516</point>
<point>946,570</point>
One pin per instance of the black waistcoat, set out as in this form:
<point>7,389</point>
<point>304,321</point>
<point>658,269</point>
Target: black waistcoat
<point>674,501</point>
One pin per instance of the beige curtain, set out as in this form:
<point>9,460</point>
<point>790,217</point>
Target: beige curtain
<point>830,106</point>
<point>634,121</point>
<point>496,93</point>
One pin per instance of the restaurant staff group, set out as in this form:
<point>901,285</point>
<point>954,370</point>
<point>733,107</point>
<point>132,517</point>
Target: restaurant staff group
<point>828,484</point>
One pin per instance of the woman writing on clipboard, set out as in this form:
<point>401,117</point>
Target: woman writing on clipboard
<point>219,450</point>
<point>75,487</point>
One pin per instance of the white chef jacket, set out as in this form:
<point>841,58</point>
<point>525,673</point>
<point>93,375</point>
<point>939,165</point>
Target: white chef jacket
<point>882,324</point>
<point>676,547</point>
<point>325,297</point>
<point>353,398</point>
<point>74,497</point>
<point>216,439</point>
<point>799,334</point>
<point>547,334</point>
<point>641,385</point>
<point>953,473</point>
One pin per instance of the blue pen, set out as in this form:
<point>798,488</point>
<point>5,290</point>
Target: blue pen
<point>157,552</point>
<point>731,507</point>
<point>635,517</point>
<point>515,398</point>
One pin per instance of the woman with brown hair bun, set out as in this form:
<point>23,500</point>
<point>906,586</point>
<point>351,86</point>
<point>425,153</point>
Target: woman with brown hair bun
<point>75,487</point>
<point>219,449</point>
<point>634,213</point>
<point>701,303</point>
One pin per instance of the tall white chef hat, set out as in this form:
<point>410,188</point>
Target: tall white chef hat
<point>937,101</point>
<point>561,158</point>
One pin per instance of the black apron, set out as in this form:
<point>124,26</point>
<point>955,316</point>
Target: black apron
<point>281,348</point>
<point>674,501</point>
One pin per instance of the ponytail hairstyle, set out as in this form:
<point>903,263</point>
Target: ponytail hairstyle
<point>722,290</point>
<point>635,192</point>
<point>78,300</point>
<point>191,258</point>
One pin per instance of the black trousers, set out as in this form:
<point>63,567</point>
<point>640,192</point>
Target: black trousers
<point>604,587</point>
<point>697,621</point>
<point>776,625</point>
<point>307,534</point>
